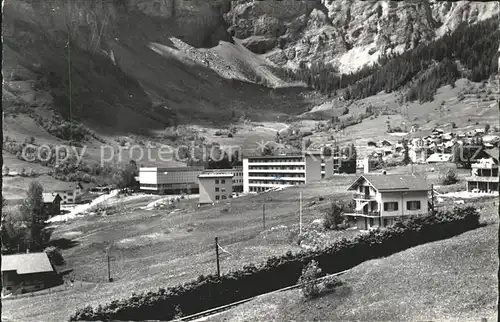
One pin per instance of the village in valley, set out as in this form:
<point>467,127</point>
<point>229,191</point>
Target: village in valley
<point>250,160</point>
<point>343,192</point>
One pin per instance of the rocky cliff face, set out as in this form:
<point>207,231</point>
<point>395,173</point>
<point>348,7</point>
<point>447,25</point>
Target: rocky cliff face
<point>345,33</point>
<point>115,62</point>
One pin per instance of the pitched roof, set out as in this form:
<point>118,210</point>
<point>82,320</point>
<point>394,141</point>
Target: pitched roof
<point>49,197</point>
<point>67,186</point>
<point>394,182</point>
<point>493,153</point>
<point>27,263</point>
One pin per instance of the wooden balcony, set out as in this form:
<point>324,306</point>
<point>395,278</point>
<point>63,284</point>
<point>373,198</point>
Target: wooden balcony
<point>361,213</point>
<point>363,196</point>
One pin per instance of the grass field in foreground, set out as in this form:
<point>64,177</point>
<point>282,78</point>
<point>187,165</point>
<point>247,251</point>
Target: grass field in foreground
<point>448,280</point>
<point>161,248</point>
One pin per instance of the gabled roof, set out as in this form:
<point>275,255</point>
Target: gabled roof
<point>493,153</point>
<point>393,182</point>
<point>68,186</point>
<point>49,197</point>
<point>27,263</point>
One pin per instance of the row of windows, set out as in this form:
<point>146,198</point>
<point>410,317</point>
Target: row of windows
<point>394,206</point>
<point>217,197</point>
<point>277,175</point>
<point>275,160</point>
<point>221,189</point>
<point>278,168</point>
<point>281,182</point>
<point>222,181</point>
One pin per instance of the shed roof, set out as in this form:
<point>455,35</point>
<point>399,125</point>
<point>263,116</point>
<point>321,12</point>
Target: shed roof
<point>27,263</point>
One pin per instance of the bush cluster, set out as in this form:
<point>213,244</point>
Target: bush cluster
<point>277,272</point>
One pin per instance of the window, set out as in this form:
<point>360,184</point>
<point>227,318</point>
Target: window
<point>371,222</point>
<point>222,181</point>
<point>216,189</point>
<point>223,197</point>
<point>216,181</point>
<point>413,205</point>
<point>216,197</point>
<point>223,189</point>
<point>390,206</point>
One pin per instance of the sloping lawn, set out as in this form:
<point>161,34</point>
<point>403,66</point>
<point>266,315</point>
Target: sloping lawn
<point>453,279</point>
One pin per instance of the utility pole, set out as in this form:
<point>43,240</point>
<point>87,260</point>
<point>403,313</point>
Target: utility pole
<point>109,267</point>
<point>432,199</point>
<point>264,216</point>
<point>300,213</point>
<point>217,255</point>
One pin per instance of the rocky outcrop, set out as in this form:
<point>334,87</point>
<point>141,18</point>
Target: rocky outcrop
<point>346,33</point>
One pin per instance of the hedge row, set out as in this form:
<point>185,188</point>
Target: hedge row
<point>278,272</point>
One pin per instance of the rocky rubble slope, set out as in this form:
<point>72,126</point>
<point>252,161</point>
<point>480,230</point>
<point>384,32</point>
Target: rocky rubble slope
<point>345,33</point>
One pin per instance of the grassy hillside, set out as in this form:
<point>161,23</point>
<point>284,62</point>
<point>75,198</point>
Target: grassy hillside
<point>448,280</point>
<point>163,247</point>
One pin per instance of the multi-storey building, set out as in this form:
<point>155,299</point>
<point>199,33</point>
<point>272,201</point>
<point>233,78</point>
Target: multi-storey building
<point>262,173</point>
<point>70,192</point>
<point>484,175</point>
<point>182,179</point>
<point>215,186</point>
<point>381,198</point>
<point>237,178</point>
<point>169,180</point>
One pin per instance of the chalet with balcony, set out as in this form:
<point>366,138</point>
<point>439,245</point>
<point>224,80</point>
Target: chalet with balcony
<point>382,198</point>
<point>484,174</point>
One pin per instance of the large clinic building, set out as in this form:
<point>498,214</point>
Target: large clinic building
<point>261,173</point>
<point>182,179</point>
<point>169,180</point>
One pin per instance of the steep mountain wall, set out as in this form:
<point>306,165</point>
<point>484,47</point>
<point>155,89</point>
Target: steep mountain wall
<point>112,63</point>
<point>345,33</point>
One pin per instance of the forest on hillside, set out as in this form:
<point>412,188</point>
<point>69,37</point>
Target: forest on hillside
<point>470,51</point>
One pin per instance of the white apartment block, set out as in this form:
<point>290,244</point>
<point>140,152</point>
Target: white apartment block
<point>261,173</point>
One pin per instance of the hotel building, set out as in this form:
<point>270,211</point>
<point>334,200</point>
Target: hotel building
<point>261,173</point>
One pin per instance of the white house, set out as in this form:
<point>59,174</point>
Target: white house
<point>418,155</point>
<point>382,198</point>
<point>70,192</point>
<point>484,174</point>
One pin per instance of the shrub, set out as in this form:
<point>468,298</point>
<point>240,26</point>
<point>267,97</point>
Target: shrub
<point>334,216</point>
<point>54,255</point>
<point>230,135</point>
<point>450,177</point>
<point>454,125</point>
<point>310,273</point>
